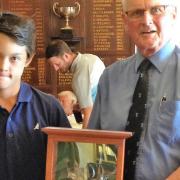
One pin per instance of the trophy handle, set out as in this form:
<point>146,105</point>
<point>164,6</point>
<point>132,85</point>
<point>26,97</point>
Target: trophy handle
<point>77,7</point>
<point>55,5</point>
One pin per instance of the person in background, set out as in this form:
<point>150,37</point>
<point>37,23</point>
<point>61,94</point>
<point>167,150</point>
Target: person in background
<point>86,70</point>
<point>68,101</point>
<point>151,25</point>
<point>24,110</point>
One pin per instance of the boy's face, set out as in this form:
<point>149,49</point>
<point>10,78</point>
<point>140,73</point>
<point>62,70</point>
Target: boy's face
<point>13,59</point>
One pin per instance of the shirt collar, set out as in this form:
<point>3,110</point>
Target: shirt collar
<point>73,66</point>
<point>25,93</point>
<point>159,59</point>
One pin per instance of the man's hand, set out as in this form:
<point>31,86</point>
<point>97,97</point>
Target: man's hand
<point>86,112</point>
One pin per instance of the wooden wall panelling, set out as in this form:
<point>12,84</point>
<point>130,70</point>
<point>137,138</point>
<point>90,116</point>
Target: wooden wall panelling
<point>98,25</point>
<point>105,35</point>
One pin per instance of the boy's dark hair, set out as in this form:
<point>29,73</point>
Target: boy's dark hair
<point>57,48</point>
<point>20,28</point>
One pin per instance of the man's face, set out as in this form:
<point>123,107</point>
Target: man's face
<point>13,59</point>
<point>59,63</point>
<point>149,23</point>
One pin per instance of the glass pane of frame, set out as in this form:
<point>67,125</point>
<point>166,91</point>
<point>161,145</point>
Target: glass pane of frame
<point>85,161</point>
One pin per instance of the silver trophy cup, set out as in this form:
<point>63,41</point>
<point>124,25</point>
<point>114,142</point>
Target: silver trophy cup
<point>66,12</point>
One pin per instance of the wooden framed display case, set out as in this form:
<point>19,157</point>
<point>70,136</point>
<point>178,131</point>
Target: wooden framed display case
<point>101,151</point>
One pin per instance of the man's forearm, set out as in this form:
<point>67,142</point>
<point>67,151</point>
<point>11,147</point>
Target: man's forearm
<point>87,112</point>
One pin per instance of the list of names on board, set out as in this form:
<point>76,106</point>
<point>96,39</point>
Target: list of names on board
<point>106,32</point>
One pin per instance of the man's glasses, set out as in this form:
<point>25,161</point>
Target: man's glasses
<point>155,11</point>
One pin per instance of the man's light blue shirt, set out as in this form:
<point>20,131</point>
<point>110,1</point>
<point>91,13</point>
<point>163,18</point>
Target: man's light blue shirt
<point>159,150</point>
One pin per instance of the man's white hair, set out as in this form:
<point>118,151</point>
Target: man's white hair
<point>125,3</point>
<point>69,94</point>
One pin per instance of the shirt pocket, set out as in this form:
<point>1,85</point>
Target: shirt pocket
<point>168,122</point>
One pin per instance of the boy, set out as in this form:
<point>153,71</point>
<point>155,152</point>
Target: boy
<point>24,110</point>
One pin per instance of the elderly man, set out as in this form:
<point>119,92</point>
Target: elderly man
<point>68,101</point>
<point>149,104</point>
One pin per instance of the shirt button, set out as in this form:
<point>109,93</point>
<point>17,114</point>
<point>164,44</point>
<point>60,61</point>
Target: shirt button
<point>10,135</point>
